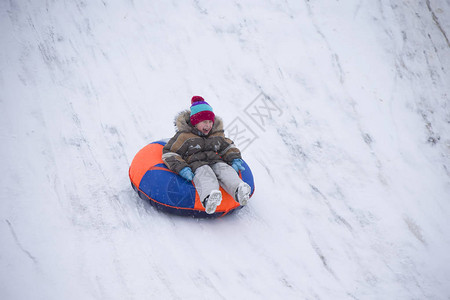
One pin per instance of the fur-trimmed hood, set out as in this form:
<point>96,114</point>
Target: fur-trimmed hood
<point>183,123</point>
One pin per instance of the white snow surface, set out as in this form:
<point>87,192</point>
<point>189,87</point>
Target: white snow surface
<point>351,163</point>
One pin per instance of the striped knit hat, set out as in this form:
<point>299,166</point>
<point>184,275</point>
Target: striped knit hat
<point>200,110</point>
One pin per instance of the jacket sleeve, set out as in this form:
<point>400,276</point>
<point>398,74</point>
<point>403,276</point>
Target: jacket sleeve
<point>229,151</point>
<point>172,154</point>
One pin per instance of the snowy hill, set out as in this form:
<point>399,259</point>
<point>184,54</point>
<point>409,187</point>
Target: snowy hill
<point>341,109</point>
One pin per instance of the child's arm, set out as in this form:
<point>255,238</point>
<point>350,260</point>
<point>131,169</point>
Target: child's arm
<point>172,154</point>
<point>229,151</point>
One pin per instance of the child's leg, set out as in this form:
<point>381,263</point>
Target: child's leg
<point>205,181</point>
<point>230,181</point>
<point>207,186</point>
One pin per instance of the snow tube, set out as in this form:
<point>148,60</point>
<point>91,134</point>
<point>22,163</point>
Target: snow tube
<point>169,192</point>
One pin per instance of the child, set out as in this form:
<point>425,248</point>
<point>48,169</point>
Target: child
<point>199,151</point>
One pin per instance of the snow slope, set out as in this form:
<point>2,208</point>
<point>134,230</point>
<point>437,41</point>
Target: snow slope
<point>345,114</point>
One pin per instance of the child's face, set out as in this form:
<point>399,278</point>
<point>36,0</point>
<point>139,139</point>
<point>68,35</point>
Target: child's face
<point>205,126</point>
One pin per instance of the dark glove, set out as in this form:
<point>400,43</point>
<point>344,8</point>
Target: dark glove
<point>237,164</point>
<point>187,174</point>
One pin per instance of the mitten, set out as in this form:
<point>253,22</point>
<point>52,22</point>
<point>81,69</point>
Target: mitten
<point>187,174</point>
<point>237,164</point>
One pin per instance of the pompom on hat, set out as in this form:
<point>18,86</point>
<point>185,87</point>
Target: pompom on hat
<point>200,110</point>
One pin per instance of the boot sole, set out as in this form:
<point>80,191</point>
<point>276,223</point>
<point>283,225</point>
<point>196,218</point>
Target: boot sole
<point>244,194</point>
<point>214,200</point>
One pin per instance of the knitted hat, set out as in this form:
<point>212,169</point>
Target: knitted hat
<point>200,110</point>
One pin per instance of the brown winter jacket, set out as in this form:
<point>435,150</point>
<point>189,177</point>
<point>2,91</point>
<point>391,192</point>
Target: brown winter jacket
<point>189,148</point>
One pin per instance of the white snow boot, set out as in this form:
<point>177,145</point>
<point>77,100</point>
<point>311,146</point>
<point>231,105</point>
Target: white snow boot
<point>212,201</point>
<point>243,193</point>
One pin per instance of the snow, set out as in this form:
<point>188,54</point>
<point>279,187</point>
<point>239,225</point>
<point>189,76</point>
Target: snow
<point>350,152</point>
